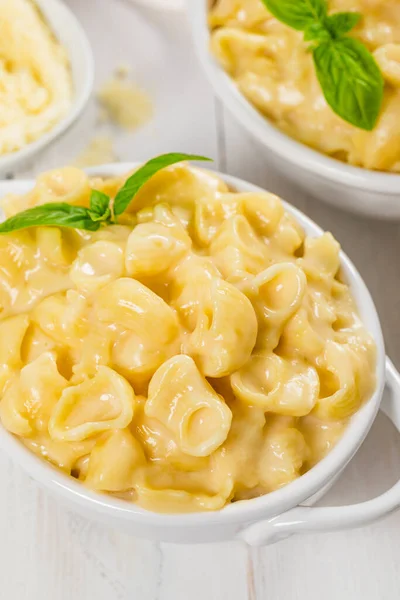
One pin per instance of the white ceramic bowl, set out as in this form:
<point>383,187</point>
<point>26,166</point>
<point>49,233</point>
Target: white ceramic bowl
<point>265,519</point>
<point>71,35</point>
<point>351,188</point>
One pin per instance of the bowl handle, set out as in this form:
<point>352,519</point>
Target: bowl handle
<point>312,520</point>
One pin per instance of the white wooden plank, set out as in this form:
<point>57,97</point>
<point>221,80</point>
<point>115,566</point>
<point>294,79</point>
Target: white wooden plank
<point>130,567</point>
<point>32,531</point>
<point>211,571</point>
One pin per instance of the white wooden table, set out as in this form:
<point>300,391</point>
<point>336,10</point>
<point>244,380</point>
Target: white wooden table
<point>46,553</point>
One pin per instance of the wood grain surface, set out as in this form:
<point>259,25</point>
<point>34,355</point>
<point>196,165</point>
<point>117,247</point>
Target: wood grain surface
<point>48,553</point>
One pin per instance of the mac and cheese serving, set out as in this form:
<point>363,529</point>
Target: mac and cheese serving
<point>202,351</point>
<point>273,68</point>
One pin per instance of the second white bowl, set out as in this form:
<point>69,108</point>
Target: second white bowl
<point>72,37</point>
<point>351,188</point>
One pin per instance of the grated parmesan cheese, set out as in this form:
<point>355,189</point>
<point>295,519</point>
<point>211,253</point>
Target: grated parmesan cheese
<point>126,104</point>
<point>35,77</point>
<point>99,151</point>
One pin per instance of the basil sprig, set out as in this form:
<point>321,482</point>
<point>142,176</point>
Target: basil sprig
<point>348,74</point>
<point>102,210</point>
<point>60,214</point>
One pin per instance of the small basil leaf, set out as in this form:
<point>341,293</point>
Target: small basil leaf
<point>99,202</point>
<point>133,184</point>
<point>53,214</point>
<point>340,23</point>
<point>100,218</point>
<point>350,80</point>
<point>298,14</point>
<point>317,32</point>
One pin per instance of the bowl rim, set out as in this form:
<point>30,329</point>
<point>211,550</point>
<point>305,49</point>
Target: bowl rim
<point>161,5</point>
<point>269,505</point>
<point>81,95</point>
<point>266,132</point>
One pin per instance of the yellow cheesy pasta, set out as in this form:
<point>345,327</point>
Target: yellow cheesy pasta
<point>203,351</point>
<point>273,69</point>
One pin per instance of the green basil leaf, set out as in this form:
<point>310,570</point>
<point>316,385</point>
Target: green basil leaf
<point>133,184</point>
<point>53,214</point>
<point>101,218</point>
<point>340,23</point>
<point>317,32</point>
<point>298,14</point>
<point>99,202</point>
<point>350,80</point>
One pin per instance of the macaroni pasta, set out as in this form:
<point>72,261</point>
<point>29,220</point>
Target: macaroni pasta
<point>201,352</point>
<point>271,66</point>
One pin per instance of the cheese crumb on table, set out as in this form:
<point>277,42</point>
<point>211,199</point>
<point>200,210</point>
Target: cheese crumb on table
<point>99,151</point>
<point>127,105</point>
